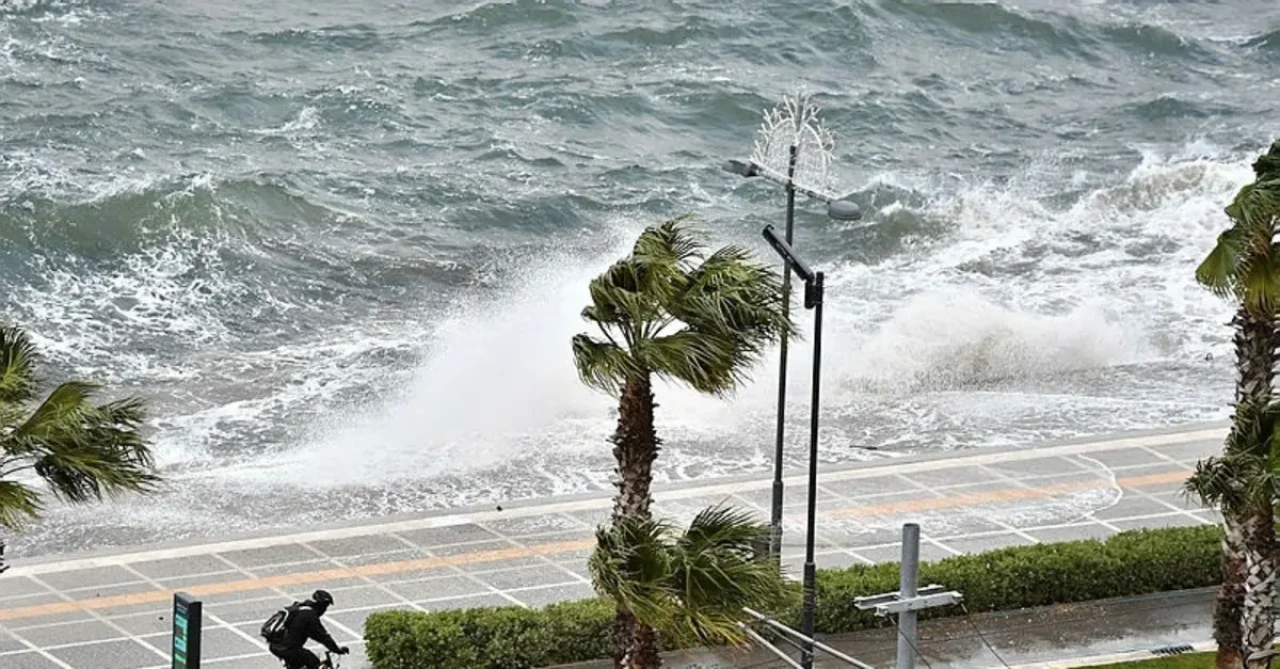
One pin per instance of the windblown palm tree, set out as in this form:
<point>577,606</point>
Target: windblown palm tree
<point>1245,480</point>
<point>80,450</point>
<point>695,583</point>
<point>1244,266</point>
<point>670,311</point>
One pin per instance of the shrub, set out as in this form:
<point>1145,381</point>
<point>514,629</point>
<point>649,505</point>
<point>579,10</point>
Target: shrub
<point>1130,563</point>
<point>411,640</point>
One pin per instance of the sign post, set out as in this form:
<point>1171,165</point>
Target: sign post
<point>910,598</point>
<point>187,617</point>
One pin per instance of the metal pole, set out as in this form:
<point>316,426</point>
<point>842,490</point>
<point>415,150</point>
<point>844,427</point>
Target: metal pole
<point>816,644</point>
<point>775,522</point>
<point>809,585</point>
<point>764,643</point>
<point>909,571</point>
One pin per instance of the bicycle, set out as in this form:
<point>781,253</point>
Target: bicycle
<point>330,661</point>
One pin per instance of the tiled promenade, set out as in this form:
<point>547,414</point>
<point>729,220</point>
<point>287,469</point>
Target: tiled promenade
<point>112,611</point>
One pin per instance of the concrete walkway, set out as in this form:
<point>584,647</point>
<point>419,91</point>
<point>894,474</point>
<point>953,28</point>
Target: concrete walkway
<point>112,610</point>
<point>1055,637</point>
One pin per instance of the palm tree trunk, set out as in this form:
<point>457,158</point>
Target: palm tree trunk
<point>635,447</point>
<point>1259,620</point>
<point>624,626</point>
<point>1254,340</point>
<point>1228,608</point>
<point>643,653</point>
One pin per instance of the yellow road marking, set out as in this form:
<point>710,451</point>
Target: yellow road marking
<point>480,557</point>
<point>153,596</point>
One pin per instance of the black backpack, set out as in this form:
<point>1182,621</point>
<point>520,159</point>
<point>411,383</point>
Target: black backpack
<point>274,629</point>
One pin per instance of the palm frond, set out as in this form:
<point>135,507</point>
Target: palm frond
<point>674,242</point>
<point>1245,262</point>
<point>716,573</point>
<point>753,323</point>
<point>18,504</point>
<point>602,365</point>
<point>1267,166</point>
<point>732,308</point>
<point>696,583</point>
<point>631,565</point>
<point>85,451</point>
<point>708,362</point>
<point>82,450</point>
<point>61,415</point>
<point>725,527</point>
<point>118,428</point>
<point>17,372</point>
<point>1258,283</point>
<point>1217,484</point>
<point>731,267</point>
<point>1252,428</point>
<point>1219,269</point>
<point>1256,206</point>
<point>81,473</point>
<point>730,292</point>
<point>1244,476</point>
<point>616,297</point>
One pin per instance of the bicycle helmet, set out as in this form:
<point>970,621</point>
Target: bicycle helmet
<point>322,598</point>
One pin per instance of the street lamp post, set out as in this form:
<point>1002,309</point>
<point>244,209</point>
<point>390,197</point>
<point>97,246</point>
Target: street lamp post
<point>794,125</point>
<point>813,294</point>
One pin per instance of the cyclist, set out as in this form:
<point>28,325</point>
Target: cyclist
<point>305,625</point>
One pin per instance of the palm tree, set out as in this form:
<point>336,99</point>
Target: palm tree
<point>1245,267</point>
<point>82,451</point>
<point>695,584</point>
<point>671,311</point>
<point>1244,483</point>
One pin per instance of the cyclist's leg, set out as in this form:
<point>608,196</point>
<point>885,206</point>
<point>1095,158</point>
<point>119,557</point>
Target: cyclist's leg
<point>299,658</point>
<point>309,659</point>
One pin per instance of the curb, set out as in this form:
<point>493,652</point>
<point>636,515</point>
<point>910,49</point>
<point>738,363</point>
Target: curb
<point>1114,658</point>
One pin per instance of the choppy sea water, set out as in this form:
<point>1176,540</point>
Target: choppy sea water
<point>341,247</point>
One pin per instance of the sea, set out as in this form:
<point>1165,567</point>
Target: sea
<point>340,248</point>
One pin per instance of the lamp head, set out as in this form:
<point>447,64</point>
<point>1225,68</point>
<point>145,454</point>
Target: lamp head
<point>844,210</point>
<point>743,168</point>
<point>784,249</point>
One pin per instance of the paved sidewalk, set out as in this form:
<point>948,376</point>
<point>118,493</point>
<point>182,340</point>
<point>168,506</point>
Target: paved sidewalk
<point>1074,635</point>
<point>112,610</point>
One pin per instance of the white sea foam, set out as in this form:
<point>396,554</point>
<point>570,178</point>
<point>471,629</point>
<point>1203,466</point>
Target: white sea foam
<point>493,371</point>
<point>948,339</point>
<point>308,119</point>
<point>1017,288</point>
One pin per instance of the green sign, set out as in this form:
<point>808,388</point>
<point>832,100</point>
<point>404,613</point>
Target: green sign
<point>187,614</point>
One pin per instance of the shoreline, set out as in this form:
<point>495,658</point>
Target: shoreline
<point>88,558</point>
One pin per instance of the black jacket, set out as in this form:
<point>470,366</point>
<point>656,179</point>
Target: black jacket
<point>305,624</point>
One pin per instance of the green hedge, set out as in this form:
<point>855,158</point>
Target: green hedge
<point>1130,563</point>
